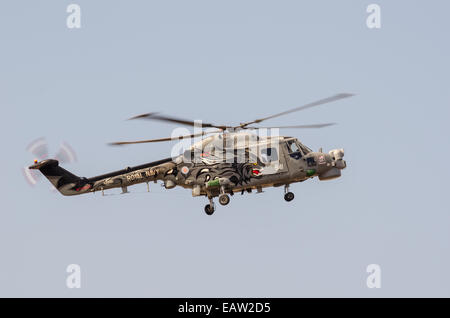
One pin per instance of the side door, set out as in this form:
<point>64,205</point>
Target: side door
<point>273,159</point>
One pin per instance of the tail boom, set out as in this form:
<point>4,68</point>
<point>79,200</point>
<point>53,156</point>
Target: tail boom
<point>69,184</point>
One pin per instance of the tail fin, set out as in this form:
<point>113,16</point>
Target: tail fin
<point>64,181</point>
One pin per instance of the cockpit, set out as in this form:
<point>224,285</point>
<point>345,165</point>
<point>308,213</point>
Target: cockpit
<point>296,149</point>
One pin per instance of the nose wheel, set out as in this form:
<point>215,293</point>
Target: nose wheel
<point>288,196</point>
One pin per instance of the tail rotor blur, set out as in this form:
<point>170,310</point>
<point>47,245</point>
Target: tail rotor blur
<point>40,151</point>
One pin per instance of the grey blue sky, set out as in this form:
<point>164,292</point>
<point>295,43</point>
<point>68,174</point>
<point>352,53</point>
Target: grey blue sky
<point>228,61</point>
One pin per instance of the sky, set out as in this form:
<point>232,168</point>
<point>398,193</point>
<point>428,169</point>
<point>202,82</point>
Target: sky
<point>227,62</point>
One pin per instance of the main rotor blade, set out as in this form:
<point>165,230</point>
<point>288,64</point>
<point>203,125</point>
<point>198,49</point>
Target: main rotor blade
<point>155,116</point>
<point>203,133</point>
<point>313,104</point>
<point>298,126</point>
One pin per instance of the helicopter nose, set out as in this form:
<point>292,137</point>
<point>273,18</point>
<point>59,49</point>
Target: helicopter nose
<point>341,164</point>
<point>337,156</point>
<point>337,164</point>
<point>337,153</point>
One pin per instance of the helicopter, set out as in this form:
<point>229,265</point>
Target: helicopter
<point>226,160</point>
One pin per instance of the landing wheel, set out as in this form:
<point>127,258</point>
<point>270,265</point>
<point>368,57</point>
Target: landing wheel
<point>224,199</point>
<point>289,196</point>
<point>209,209</point>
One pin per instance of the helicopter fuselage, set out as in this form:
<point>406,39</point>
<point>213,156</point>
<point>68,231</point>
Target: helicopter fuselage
<point>230,159</point>
<point>272,164</point>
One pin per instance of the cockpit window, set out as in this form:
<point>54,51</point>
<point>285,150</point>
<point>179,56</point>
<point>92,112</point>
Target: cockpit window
<point>294,149</point>
<point>292,146</point>
<point>305,149</point>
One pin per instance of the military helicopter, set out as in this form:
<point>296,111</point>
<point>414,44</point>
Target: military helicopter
<point>227,160</point>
